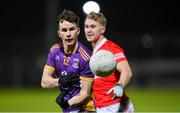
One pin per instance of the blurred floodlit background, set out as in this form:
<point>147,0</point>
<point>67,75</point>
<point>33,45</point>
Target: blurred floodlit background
<point>149,32</point>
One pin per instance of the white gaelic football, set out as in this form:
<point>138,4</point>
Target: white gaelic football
<point>102,63</point>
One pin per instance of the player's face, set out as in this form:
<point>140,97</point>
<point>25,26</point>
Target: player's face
<point>93,30</point>
<point>68,32</point>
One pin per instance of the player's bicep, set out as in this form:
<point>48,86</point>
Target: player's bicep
<point>47,72</point>
<point>123,66</point>
<point>47,76</point>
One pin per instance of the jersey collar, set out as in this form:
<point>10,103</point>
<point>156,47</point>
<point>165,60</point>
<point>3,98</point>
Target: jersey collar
<point>99,44</point>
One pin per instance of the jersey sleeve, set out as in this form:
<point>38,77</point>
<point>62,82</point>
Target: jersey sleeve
<point>85,72</point>
<point>118,53</point>
<point>50,61</point>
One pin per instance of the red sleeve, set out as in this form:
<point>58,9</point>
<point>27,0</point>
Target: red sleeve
<point>116,50</point>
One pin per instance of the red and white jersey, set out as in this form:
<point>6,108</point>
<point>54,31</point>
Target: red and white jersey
<point>102,85</point>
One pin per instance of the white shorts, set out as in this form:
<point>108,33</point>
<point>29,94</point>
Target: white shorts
<point>129,108</point>
<point>115,108</point>
<point>77,111</point>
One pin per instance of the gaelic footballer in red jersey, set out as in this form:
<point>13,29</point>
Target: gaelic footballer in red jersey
<point>109,95</point>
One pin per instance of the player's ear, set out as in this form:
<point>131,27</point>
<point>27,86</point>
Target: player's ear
<point>103,29</point>
<point>78,31</point>
<point>58,33</point>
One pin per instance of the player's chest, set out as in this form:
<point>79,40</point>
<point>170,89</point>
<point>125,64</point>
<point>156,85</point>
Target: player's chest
<point>67,61</point>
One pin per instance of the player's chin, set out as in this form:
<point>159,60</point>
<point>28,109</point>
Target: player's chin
<point>89,39</point>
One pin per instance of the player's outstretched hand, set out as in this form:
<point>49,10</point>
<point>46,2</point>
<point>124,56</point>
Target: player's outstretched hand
<point>117,90</point>
<point>61,102</point>
<point>68,80</point>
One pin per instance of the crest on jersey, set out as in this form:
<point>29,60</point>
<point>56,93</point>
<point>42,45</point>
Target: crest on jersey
<point>76,63</point>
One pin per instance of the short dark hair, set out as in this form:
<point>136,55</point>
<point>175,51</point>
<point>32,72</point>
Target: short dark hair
<point>68,16</point>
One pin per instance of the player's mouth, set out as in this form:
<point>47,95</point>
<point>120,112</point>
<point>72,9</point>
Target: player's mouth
<point>68,40</point>
<point>89,35</point>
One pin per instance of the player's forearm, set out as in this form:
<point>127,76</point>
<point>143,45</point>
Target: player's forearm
<point>125,72</point>
<point>84,93</point>
<point>49,83</point>
<point>125,78</point>
<point>79,98</point>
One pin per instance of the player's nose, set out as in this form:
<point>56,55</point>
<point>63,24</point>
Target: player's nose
<point>68,34</point>
<point>89,30</point>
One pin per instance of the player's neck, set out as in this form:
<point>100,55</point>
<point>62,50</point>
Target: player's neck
<point>97,41</point>
<point>70,49</point>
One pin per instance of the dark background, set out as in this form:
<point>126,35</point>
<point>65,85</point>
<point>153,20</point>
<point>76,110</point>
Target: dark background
<point>149,32</point>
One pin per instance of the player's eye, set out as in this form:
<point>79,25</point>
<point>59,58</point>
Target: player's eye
<point>86,26</point>
<point>72,29</point>
<point>93,26</point>
<point>64,30</point>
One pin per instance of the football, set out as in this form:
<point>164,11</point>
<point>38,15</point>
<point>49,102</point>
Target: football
<point>102,63</point>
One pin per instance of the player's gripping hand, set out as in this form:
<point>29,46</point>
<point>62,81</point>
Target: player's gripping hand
<point>69,80</point>
<point>61,102</point>
<point>117,90</point>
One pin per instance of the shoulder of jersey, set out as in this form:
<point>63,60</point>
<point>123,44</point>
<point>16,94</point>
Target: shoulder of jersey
<point>114,45</point>
<point>84,54</point>
<point>55,46</point>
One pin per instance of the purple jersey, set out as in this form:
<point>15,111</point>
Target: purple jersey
<point>66,64</point>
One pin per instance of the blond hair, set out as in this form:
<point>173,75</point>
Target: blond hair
<point>98,17</point>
